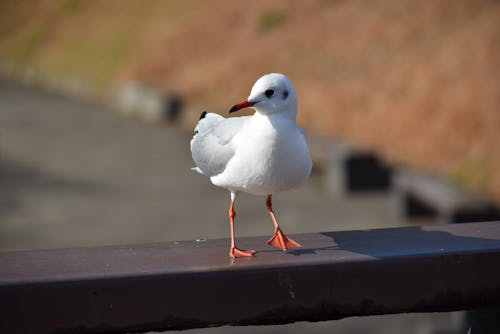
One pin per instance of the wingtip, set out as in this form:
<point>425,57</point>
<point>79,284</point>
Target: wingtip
<point>203,114</point>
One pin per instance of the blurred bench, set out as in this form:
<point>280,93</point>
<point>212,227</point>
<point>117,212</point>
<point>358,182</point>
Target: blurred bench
<point>179,285</point>
<point>422,194</point>
<point>350,170</point>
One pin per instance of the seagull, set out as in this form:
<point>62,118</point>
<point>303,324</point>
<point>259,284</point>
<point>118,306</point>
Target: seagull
<point>261,154</point>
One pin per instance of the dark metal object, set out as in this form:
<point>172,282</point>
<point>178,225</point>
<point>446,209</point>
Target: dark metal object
<point>178,285</point>
<point>365,172</point>
<point>172,107</point>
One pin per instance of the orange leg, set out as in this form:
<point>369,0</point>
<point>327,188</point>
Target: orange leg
<point>279,239</point>
<point>235,252</point>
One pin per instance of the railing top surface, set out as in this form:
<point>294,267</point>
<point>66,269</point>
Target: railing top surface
<point>187,257</point>
<point>179,285</point>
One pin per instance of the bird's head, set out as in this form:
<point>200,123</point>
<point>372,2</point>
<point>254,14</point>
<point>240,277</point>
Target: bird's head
<point>272,93</point>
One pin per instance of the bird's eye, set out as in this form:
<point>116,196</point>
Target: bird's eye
<point>269,93</point>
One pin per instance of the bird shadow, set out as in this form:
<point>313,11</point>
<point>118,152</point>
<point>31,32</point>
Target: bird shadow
<point>378,243</point>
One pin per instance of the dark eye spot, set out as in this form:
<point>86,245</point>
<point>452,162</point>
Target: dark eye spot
<point>285,94</point>
<point>269,93</point>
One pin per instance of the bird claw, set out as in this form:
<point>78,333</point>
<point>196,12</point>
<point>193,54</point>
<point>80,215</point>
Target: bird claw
<point>280,240</point>
<point>235,252</point>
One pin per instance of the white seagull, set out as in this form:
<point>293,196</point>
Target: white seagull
<point>260,154</point>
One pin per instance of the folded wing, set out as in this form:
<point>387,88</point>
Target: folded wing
<point>212,144</point>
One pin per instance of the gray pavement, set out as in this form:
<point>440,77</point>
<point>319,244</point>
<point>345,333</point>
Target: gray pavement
<point>75,174</point>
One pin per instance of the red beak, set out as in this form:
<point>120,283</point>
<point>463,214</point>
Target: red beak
<point>241,105</point>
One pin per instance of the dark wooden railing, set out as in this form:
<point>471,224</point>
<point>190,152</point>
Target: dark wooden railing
<point>177,285</point>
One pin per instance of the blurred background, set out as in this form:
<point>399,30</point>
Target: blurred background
<point>416,83</point>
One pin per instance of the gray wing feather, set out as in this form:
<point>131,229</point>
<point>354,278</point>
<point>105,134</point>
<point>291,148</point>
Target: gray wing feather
<point>212,146</point>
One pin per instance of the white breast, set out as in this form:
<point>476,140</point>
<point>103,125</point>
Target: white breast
<point>271,156</point>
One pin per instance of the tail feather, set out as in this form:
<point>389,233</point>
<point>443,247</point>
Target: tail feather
<point>198,170</point>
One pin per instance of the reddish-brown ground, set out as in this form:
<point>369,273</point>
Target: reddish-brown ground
<point>418,81</point>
